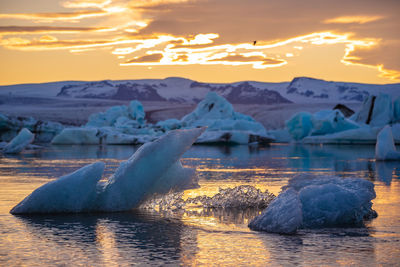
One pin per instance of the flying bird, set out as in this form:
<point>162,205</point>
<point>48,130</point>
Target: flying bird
<point>254,42</point>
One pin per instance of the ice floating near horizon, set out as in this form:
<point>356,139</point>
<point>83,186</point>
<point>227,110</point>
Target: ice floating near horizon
<point>362,135</point>
<point>118,125</point>
<point>376,111</point>
<point>310,201</point>
<point>134,112</point>
<point>153,168</point>
<point>385,148</point>
<point>300,125</point>
<point>321,123</point>
<point>223,123</point>
<point>44,130</point>
<point>18,143</point>
<point>126,125</point>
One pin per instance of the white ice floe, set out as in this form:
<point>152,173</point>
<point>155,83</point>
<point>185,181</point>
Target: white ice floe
<point>376,111</point>
<point>18,143</point>
<point>223,123</point>
<point>134,113</point>
<point>153,168</point>
<point>310,201</point>
<point>385,148</point>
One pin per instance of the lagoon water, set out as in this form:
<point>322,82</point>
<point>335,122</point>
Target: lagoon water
<point>197,237</point>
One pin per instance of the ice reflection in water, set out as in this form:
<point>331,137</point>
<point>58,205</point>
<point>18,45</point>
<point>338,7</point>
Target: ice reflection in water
<point>202,237</point>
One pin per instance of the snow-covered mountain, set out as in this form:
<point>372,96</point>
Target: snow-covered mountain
<point>172,89</point>
<point>323,91</point>
<point>300,90</point>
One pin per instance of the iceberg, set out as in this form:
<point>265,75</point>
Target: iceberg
<point>283,215</point>
<point>44,130</point>
<point>385,148</point>
<point>324,122</point>
<point>75,192</point>
<point>154,168</point>
<point>377,111</point>
<point>223,123</point>
<point>362,135</point>
<point>118,125</point>
<point>77,136</point>
<point>310,201</point>
<point>300,125</point>
<point>133,112</point>
<point>143,174</point>
<point>18,143</point>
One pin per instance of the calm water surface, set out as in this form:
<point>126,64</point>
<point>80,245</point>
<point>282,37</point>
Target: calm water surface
<point>197,237</point>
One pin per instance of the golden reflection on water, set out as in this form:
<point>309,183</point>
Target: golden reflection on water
<point>107,244</point>
<point>208,238</point>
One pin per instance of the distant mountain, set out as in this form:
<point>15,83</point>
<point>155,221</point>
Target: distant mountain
<point>315,90</point>
<point>172,89</point>
<point>299,90</point>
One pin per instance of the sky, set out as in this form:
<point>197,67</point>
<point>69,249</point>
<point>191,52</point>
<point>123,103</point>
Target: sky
<point>204,40</point>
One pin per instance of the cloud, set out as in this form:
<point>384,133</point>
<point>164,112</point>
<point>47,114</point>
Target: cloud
<point>353,19</point>
<point>205,32</point>
<point>8,30</point>
<point>87,3</point>
<point>60,16</point>
<point>147,58</point>
<point>272,62</point>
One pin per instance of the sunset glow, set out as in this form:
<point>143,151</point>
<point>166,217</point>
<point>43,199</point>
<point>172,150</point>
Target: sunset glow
<point>131,36</point>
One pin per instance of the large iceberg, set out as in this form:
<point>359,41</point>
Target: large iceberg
<point>223,123</point>
<point>153,168</point>
<point>18,143</point>
<point>75,192</point>
<point>310,201</point>
<point>385,148</point>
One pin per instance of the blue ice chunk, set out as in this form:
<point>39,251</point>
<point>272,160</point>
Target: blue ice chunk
<point>300,125</point>
<point>75,192</point>
<point>325,201</point>
<point>283,215</point>
<point>154,168</point>
<point>385,148</point>
<point>331,121</point>
<point>19,142</point>
<point>139,175</point>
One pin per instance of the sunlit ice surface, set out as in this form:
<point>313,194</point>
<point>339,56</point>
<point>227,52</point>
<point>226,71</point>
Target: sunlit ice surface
<point>197,237</point>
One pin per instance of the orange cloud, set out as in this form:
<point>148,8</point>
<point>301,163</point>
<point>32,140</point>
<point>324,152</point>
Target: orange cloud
<point>61,16</point>
<point>12,30</point>
<point>353,19</point>
<point>86,3</point>
<point>147,58</point>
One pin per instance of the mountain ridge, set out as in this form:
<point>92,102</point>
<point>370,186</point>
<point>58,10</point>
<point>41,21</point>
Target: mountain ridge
<point>182,90</point>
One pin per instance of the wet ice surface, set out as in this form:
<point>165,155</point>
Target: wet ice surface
<point>198,237</point>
